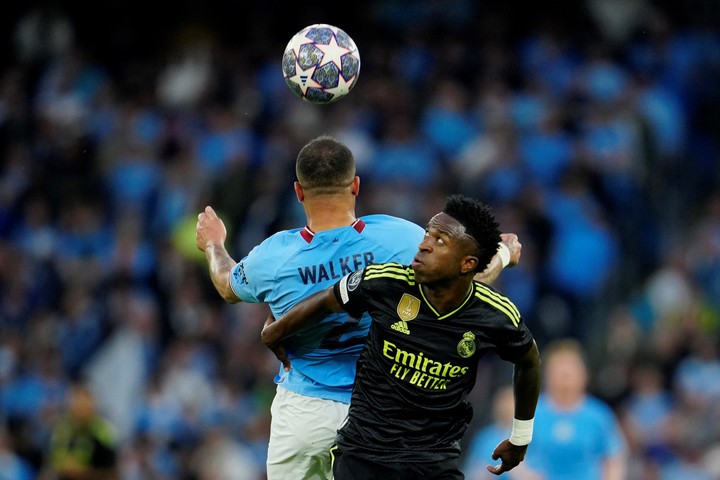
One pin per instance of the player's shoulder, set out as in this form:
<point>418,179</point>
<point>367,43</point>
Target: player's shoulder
<point>383,221</point>
<point>283,238</point>
<point>279,245</point>
<point>394,238</point>
<point>496,301</point>
<point>391,272</point>
<point>488,291</point>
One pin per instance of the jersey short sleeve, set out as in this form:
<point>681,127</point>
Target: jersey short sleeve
<point>347,292</point>
<point>504,327</point>
<point>241,285</point>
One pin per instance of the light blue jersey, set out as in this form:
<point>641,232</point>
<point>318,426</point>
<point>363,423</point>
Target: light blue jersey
<point>573,444</point>
<point>293,264</point>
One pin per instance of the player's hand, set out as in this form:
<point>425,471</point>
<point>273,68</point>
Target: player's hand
<point>209,229</point>
<point>513,243</point>
<point>278,350</point>
<point>510,456</point>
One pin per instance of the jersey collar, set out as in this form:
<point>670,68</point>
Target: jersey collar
<point>308,234</point>
<point>442,317</point>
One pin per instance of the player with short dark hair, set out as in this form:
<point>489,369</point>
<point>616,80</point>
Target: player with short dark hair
<point>312,397</point>
<point>325,166</point>
<point>431,323</point>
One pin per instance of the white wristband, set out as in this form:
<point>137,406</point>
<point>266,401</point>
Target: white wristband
<point>504,253</point>
<point>522,432</point>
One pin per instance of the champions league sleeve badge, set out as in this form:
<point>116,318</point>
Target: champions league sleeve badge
<point>349,283</point>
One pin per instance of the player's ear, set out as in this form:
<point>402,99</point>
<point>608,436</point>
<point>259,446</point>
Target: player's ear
<point>299,192</point>
<point>468,264</point>
<point>355,186</point>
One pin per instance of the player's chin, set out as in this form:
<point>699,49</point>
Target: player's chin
<point>421,274</point>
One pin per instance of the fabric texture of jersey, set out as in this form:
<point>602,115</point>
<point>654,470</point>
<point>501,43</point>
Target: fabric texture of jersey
<point>293,264</point>
<point>417,368</point>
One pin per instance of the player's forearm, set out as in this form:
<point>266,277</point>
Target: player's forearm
<point>314,306</point>
<point>526,384</point>
<point>220,265</point>
<point>491,272</point>
<point>508,255</point>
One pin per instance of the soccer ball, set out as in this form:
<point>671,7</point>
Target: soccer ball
<point>321,64</point>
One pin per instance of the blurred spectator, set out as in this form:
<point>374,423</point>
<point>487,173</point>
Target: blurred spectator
<point>549,59</point>
<point>87,238</point>
<point>148,458</point>
<point>34,232</point>
<point>647,415</point>
<point>80,327</point>
<point>447,122</point>
<point>547,150</point>
<point>42,33</point>
<point>118,372</point>
<point>404,165</point>
<point>583,251</point>
<point>186,79</point>
<point>220,457</point>
<point>83,444</point>
<point>12,466</point>
<point>488,165</point>
<point>617,20</point>
<point>704,256</point>
<point>694,378</point>
<point>577,436</point>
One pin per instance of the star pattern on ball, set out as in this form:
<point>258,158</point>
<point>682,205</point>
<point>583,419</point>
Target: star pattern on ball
<point>312,64</point>
<point>333,52</point>
<point>304,78</point>
<point>342,88</point>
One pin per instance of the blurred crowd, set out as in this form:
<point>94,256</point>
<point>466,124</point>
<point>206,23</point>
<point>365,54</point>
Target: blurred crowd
<point>592,128</point>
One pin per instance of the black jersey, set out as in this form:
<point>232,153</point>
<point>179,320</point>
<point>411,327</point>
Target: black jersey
<point>409,402</point>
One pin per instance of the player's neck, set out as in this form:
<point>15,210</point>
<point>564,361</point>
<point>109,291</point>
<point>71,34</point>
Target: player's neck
<point>326,213</point>
<point>446,297</point>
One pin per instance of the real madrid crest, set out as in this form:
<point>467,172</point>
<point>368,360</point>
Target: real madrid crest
<point>408,307</point>
<point>466,346</point>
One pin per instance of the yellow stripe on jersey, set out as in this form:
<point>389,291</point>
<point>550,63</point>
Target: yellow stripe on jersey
<point>498,301</point>
<point>500,297</point>
<point>390,270</point>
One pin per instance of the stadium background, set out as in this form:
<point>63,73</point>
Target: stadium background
<point>592,127</point>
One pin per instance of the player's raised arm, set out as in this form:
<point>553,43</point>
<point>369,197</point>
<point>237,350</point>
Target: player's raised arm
<point>313,306</point>
<point>210,235</point>
<point>509,251</point>
<point>526,390</point>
